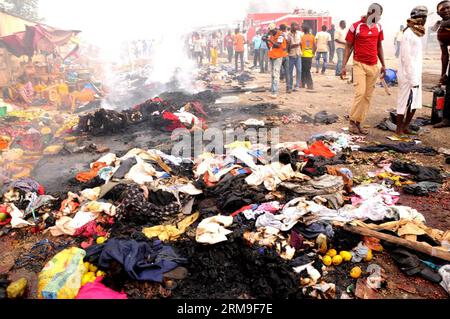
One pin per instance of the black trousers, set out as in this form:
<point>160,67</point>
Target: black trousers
<point>306,73</point>
<point>447,98</point>
<point>239,56</point>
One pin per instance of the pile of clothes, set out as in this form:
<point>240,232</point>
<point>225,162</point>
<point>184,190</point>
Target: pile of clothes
<point>253,223</point>
<point>165,115</point>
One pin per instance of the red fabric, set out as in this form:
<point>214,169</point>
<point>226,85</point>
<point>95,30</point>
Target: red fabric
<point>176,123</point>
<point>243,209</point>
<point>319,149</point>
<point>365,41</point>
<point>41,190</point>
<point>90,230</point>
<point>37,38</point>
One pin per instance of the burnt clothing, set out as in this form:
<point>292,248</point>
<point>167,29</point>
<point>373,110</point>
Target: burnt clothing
<point>422,188</point>
<point>403,148</point>
<point>420,173</point>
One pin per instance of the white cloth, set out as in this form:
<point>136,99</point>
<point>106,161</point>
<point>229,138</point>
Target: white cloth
<point>212,230</point>
<point>410,72</point>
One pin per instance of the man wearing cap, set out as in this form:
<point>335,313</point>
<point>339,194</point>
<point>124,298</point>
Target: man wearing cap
<point>410,69</point>
<point>277,51</point>
<point>443,34</point>
<point>364,39</point>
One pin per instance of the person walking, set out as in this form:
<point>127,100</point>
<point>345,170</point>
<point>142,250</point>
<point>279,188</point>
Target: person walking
<point>295,56</point>
<point>239,48</point>
<point>410,69</point>
<point>365,40</point>
<point>214,49</point>
<point>332,33</point>
<point>323,40</point>
<point>228,43</point>
<point>309,47</point>
<point>340,46</point>
<point>284,72</point>
<point>277,51</point>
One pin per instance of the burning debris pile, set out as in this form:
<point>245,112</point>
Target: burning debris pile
<point>172,111</point>
<point>149,224</point>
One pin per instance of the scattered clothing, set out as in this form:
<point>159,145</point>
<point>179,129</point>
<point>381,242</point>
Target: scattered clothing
<point>143,261</point>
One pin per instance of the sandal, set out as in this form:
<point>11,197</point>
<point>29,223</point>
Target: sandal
<point>353,129</point>
<point>411,265</point>
<point>363,131</point>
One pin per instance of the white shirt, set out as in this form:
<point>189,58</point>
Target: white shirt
<point>340,35</point>
<point>322,39</point>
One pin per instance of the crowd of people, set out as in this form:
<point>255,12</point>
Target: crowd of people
<point>288,48</point>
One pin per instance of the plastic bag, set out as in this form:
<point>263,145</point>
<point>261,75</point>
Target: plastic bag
<point>61,276</point>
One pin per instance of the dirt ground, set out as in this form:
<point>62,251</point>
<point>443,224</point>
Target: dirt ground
<point>331,94</point>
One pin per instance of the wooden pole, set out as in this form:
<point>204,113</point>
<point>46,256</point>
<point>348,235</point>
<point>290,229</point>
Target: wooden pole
<point>417,246</point>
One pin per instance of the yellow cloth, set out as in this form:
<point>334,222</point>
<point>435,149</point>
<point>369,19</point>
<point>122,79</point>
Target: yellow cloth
<point>239,144</point>
<point>365,78</point>
<point>170,232</point>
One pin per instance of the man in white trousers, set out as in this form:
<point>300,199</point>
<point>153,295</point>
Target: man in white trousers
<point>410,70</point>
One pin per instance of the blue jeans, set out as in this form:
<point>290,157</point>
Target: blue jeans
<point>340,56</point>
<point>323,55</point>
<point>295,61</point>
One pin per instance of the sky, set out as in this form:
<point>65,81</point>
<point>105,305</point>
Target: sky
<point>106,23</point>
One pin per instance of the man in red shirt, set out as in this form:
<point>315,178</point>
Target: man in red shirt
<point>365,39</point>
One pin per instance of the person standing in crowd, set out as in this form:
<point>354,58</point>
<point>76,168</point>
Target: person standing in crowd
<point>239,48</point>
<point>228,43</point>
<point>284,74</point>
<point>204,42</point>
<point>340,46</point>
<point>410,69</point>
<point>220,44</point>
<point>332,33</point>
<point>309,48</point>
<point>295,56</point>
<point>256,42</point>
<point>245,34</point>
<point>443,35</point>
<point>398,41</point>
<point>214,49</point>
<point>323,40</point>
<point>277,51</point>
<point>198,49</point>
<point>264,57</point>
<point>365,40</point>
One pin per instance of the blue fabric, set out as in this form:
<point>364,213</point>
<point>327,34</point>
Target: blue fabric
<point>324,56</point>
<point>295,62</point>
<point>340,61</point>
<point>144,261</point>
<point>257,41</point>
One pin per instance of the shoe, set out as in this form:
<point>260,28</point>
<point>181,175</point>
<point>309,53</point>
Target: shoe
<point>289,91</point>
<point>444,123</point>
<point>273,96</point>
<point>296,89</point>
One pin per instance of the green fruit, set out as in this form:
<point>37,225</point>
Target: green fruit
<point>3,217</point>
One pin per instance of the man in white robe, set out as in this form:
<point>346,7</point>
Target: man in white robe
<point>410,70</point>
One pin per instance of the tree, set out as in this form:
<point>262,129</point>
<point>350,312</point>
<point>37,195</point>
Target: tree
<point>26,9</point>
